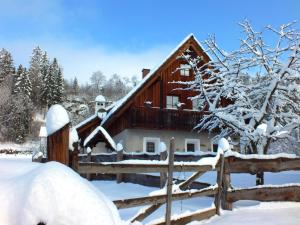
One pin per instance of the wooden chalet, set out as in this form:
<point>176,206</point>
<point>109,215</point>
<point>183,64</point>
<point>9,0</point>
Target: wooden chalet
<point>155,110</point>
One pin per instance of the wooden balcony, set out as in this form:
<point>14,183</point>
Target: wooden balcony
<point>157,118</point>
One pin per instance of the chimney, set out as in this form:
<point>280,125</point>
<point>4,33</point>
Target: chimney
<point>145,72</point>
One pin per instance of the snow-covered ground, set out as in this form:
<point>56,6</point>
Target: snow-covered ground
<point>265,213</point>
<point>25,188</point>
<point>116,191</point>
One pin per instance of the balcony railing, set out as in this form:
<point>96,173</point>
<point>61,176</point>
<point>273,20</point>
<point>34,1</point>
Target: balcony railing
<point>157,118</point>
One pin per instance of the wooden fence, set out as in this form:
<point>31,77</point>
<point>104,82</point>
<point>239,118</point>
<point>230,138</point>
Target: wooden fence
<point>252,165</point>
<point>222,191</point>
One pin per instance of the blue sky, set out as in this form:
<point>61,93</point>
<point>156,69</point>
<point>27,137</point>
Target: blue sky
<point>119,36</point>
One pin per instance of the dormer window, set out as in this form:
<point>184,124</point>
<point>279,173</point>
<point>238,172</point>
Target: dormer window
<point>185,70</point>
<point>172,102</point>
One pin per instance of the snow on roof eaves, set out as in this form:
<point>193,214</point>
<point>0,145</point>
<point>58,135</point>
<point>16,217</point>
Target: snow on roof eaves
<point>105,134</point>
<point>122,101</point>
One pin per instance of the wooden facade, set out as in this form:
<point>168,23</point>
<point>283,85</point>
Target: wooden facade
<point>134,113</point>
<point>58,145</point>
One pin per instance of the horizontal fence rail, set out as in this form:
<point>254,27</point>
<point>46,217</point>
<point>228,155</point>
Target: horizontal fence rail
<point>189,217</point>
<point>255,165</point>
<point>114,168</point>
<point>156,199</point>
<point>266,193</point>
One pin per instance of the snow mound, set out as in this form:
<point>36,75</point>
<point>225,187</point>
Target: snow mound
<point>56,118</point>
<point>162,147</point>
<point>53,194</point>
<point>223,145</point>
<point>119,147</point>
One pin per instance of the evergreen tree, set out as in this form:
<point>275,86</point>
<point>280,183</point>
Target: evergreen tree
<point>6,65</point>
<point>36,75</point>
<point>50,92</point>
<point>75,86</point>
<point>60,86</point>
<point>20,106</point>
<point>45,77</point>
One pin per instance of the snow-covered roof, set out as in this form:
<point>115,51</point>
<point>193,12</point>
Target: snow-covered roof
<point>56,118</point>
<point>123,100</point>
<point>104,133</point>
<point>100,98</point>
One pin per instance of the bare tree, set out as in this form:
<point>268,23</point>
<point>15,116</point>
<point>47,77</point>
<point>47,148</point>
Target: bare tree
<point>97,80</point>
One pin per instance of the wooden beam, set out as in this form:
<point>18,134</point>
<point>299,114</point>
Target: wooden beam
<point>187,218</point>
<point>114,168</point>
<point>266,194</point>
<point>133,202</point>
<point>145,213</point>
<point>253,166</point>
<point>170,181</point>
<point>184,185</point>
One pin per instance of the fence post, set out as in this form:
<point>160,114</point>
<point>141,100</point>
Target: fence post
<point>163,176</point>
<point>170,181</point>
<point>119,176</point>
<point>89,159</point>
<point>75,157</point>
<point>226,185</point>
<point>219,182</point>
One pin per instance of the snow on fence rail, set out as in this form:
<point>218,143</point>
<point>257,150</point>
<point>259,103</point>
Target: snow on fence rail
<point>238,163</point>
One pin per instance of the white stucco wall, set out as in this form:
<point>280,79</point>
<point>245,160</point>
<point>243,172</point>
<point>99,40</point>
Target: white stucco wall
<point>132,139</point>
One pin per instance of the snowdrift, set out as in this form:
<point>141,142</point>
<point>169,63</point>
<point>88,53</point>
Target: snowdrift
<point>50,193</point>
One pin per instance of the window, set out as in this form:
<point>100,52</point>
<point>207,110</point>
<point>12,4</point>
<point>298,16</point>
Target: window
<point>185,69</point>
<point>150,144</point>
<point>192,145</point>
<point>214,147</point>
<point>172,102</point>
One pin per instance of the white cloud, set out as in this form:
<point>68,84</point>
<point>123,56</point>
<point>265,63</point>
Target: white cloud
<point>82,61</point>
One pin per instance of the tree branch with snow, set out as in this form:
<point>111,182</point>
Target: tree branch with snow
<point>252,92</point>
